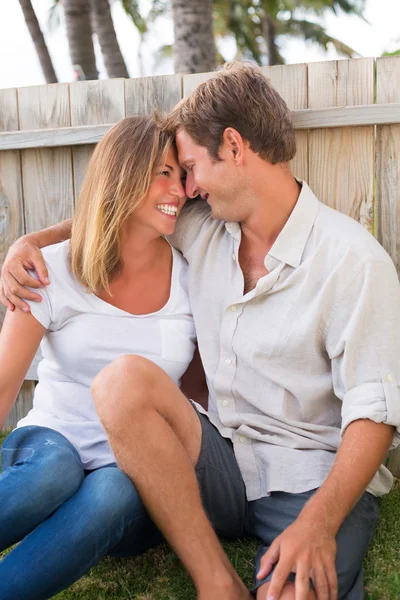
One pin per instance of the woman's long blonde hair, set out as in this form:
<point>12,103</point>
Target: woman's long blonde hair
<point>117,180</point>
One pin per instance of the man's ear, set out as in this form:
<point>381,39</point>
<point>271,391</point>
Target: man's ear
<point>233,145</point>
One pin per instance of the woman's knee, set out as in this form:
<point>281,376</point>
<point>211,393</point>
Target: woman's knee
<point>124,385</point>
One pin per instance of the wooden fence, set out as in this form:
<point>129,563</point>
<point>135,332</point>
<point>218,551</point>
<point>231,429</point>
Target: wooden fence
<point>346,114</point>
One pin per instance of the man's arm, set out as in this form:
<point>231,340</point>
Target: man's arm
<point>25,254</point>
<point>362,339</point>
<point>308,546</point>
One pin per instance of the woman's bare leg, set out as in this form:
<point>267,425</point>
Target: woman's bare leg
<point>156,436</point>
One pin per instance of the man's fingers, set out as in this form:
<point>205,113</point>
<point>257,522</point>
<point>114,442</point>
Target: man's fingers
<point>331,575</point>
<point>18,273</point>
<point>40,267</point>
<point>268,561</point>
<point>12,287</point>
<point>302,581</point>
<point>16,300</point>
<point>4,300</point>
<point>320,581</point>
<point>278,581</point>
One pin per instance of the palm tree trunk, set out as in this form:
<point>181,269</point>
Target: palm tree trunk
<point>194,47</point>
<point>79,33</point>
<point>269,34</point>
<point>103,26</point>
<point>38,39</point>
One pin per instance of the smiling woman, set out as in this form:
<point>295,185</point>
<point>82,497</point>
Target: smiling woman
<point>116,288</point>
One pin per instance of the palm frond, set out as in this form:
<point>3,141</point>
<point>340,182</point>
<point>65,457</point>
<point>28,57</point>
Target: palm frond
<point>159,8</point>
<point>131,7</point>
<point>53,18</point>
<point>163,53</point>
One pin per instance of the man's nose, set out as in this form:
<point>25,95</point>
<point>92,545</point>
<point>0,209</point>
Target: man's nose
<point>191,188</point>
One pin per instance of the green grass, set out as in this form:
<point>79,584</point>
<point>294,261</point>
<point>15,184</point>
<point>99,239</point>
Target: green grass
<point>158,574</point>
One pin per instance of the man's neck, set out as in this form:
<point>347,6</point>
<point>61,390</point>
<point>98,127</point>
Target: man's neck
<point>274,200</point>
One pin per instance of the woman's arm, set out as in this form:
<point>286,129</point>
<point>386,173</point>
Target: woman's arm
<point>20,337</point>
<point>25,254</point>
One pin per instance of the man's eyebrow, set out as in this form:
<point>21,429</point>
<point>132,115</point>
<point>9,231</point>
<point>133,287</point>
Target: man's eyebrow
<point>169,167</point>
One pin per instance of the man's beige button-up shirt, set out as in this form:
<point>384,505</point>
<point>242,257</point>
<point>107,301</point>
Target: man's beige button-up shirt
<point>315,346</point>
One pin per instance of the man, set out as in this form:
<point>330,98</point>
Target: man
<point>297,310</point>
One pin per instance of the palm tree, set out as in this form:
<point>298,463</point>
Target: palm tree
<point>194,46</point>
<point>103,26</point>
<point>79,33</point>
<point>256,24</point>
<point>98,14</point>
<point>39,41</point>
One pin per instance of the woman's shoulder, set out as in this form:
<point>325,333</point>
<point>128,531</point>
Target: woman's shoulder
<point>57,258</point>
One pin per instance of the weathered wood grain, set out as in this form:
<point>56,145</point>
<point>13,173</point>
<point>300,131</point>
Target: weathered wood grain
<point>46,172</point>
<point>146,94</point>
<point>94,104</point>
<point>291,82</point>
<point>11,207</point>
<point>341,161</point>
<point>11,220</point>
<point>388,161</point>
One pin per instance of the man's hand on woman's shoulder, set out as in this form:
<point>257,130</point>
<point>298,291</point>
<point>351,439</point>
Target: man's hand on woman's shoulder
<point>23,255</point>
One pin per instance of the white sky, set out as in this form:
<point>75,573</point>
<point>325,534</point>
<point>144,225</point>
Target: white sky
<point>20,67</point>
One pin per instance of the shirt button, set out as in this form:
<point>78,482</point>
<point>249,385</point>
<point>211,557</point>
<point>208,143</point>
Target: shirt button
<point>225,403</point>
<point>228,361</point>
<point>234,257</point>
<point>234,308</point>
<point>388,378</point>
<point>242,439</point>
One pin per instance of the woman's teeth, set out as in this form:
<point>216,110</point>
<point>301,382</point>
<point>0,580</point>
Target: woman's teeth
<point>167,209</point>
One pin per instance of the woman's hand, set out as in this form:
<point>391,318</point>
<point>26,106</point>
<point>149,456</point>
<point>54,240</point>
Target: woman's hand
<point>24,254</point>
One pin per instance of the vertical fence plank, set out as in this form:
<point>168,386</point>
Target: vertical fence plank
<point>291,82</point>
<point>148,93</point>
<point>46,177</point>
<point>388,180</point>
<point>93,103</point>
<point>11,208</point>
<point>190,82</point>
<point>46,172</point>
<point>388,161</point>
<point>11,220</point>
<point>22,405</point>
<point>341,160</point>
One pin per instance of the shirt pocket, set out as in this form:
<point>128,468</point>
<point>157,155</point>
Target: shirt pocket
<point>178,340</point>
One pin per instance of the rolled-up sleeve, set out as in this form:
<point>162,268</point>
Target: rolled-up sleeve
<point>363,343</point>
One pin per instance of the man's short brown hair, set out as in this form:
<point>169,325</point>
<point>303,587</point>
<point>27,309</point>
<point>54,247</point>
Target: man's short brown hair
<point>237,96</point>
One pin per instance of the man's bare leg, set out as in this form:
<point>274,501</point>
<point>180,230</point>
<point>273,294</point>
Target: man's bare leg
<point>156,437</point>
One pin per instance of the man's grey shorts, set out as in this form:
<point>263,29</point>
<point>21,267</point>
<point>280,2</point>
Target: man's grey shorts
<point>224,498</point>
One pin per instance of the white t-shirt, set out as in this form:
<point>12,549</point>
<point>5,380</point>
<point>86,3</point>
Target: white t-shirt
<point>84,334</point>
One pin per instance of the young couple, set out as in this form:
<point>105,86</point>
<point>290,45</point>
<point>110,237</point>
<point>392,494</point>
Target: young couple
<point>297,315</point>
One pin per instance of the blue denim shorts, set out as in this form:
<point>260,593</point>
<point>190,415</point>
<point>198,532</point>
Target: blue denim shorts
<point>224,498</point>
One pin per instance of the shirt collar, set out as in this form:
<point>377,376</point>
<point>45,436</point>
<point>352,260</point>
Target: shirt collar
<point>290,243</point>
